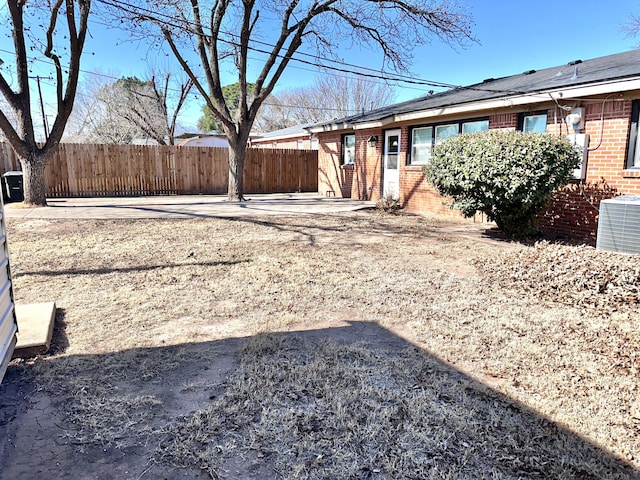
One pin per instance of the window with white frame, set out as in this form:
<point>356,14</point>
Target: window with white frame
<point>348,149</point>
<point>533,122</point>
<point>424,138</point>
<point>633,155</point>
<point>421,144</point>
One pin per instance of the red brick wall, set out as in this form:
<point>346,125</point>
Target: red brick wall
<point>330,173</point>
<point>418,196</point>
<point>368,169</point>
<point>291,143</point>
<point>573,210</point>
<point>504,120</point>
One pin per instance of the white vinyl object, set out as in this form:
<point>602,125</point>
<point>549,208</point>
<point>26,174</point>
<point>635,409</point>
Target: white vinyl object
<point>619,225</point>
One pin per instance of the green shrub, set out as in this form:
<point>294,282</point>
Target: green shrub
<point>505,174</point>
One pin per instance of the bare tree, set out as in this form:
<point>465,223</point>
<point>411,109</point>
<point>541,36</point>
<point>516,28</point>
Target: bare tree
<point>123,106</point>
<point>279,112</point>
<point>86,108</point>
<point>225,33</point>
<point>631,27</point>
<point>117,112</point>
<point>70,37</point>
<point>331,96</point>
<point>10,114</point>
<point>149,108</point>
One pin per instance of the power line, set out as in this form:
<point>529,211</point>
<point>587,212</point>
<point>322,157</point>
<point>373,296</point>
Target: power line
<point>192,93</point>
<point>128,7</point>
<point>373,74</point>
<point>385,76</point>
<point>153,15</point>
<point>175,90</point>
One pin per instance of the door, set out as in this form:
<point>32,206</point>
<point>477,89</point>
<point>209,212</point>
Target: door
<point>8,323</point>
<point>391,165</point>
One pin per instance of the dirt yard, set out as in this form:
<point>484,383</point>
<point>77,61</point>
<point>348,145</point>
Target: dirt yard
<point>353,345</point>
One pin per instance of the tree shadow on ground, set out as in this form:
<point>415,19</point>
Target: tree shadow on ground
<point>351,401</point>
<point>496,235</point>
<point>134,268</point>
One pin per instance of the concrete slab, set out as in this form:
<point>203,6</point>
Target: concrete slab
<point>186,206</point>
<point>35,329</point>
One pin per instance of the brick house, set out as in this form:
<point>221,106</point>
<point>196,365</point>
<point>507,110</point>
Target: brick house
<point>295,138</point>
<point>595,102</point>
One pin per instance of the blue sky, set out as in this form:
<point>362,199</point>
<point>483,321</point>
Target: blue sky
<point>514,36</point>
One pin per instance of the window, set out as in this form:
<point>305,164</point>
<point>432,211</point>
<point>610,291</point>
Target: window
<point>314,143</point>
<point>300,144</point>
<point>633,157</point>
<point>424,138</point>
<point>446,131</point>
<point>392,148</point>
<point>475,127</point>
<point>421,144</point>
<point>348,149</point>
<point>533,122</point>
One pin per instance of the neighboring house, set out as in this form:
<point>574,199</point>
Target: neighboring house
<point>382,152</point>
<point>296,138</point>
<point>144,141</point>
<point>202,140</point>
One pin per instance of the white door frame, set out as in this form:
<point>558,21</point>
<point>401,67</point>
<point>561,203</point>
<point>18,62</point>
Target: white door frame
<point>391,159</point>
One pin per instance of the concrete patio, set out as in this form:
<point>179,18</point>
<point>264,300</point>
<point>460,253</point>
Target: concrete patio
<point>186,206</point>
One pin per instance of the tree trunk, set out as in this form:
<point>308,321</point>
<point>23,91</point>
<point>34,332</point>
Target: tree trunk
<point>34,183</point>
<point>237,155</point>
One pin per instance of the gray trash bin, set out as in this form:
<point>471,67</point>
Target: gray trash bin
<point>12,190</point>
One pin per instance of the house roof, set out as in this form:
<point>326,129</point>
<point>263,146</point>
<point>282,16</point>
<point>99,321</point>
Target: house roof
<point>187,135</point>
<point>578,73</point>
<point>283,133</point>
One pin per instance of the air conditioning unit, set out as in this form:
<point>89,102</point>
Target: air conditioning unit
<point>619,225</point>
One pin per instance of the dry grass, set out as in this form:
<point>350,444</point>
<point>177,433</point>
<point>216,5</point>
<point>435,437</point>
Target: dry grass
<point>326,409</point>
<point>336,411</point>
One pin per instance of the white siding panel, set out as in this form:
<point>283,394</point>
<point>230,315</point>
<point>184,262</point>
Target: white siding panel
<point>8,323</point>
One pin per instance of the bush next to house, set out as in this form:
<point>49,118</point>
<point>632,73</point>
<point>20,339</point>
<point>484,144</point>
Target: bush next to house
<point>507,175</point>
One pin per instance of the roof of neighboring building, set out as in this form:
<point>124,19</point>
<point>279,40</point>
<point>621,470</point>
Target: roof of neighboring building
<point>577,73</point>
<point>203,140</point>
<point>289,132</point>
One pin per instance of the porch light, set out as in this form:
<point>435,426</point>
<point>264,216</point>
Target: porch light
<point>373,140</point>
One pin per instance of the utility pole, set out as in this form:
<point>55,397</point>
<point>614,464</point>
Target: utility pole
<point>44,117</point>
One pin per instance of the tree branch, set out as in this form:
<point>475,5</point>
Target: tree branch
<point>77,38</point>
<point>21,99</point>
<point>245,35</point>
<point>49,49</point>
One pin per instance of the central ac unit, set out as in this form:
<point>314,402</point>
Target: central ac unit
<point>619,225</point>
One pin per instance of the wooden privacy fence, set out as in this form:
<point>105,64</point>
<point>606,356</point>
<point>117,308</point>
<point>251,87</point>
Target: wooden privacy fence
<point>79,170</point>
